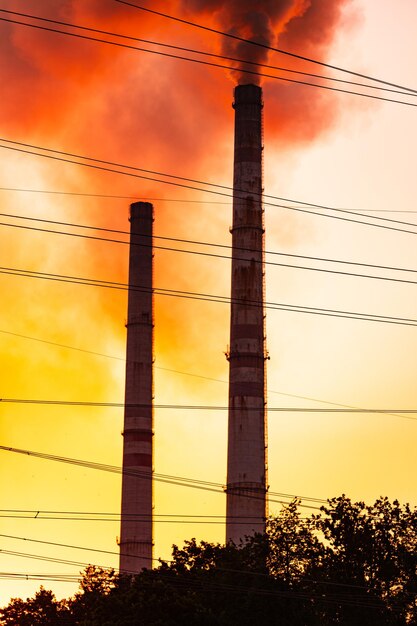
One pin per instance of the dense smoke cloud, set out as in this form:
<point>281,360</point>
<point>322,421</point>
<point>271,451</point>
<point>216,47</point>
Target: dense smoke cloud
<point>66,78</point>
<point>301,24</point>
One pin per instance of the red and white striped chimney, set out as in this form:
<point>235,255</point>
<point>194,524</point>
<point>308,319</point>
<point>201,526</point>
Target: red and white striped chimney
<point>246,463</point>
<point>136,536</point>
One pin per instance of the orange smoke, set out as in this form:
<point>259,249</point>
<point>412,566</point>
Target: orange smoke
<point>153,112</point>
<point>304,27</point>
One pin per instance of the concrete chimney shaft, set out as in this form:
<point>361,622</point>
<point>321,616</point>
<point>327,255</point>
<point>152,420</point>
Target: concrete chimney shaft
<point>136,537</point>
<point>246,463</point>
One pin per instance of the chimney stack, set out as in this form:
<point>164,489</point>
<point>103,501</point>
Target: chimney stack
<point>136,536</point>
<point>246,464</point>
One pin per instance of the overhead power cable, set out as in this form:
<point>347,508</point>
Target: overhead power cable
<point>258,44</point>
<point>83,548</point>
<point>175,581</point>
<point>34,514</point>
<point>198,243</point>
<point>177,520</point>
<point>159,561</point>
<point>146,475</point>
<point>49,559</point>
<point>191,180</point>
<point>226,257</point>
<point>227,188</point>
<point>70,518</point>
<point>195,51</point>
<point>29,576</point>
<point>190,582</point>
<point>203,407</point>
<point>92,515</point>
<point>61,345</point>
<point>167,369</point>
<point>134,174</point>
<point>274,306</point>
<point>122,197</point>
<point>177,200</point>
<point>207,63</point>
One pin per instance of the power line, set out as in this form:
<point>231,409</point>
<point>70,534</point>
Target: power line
<point>206,244</point>
<point>29,576</point>
<point>196,407</point>
<point>262,45</point>
<point>190,583</point>
<point>146,475</point>
<point>199,52</point>
<point>32,514</point>
<point>186,186</point>
<point>39,514</point>
<point>75,578</point>
<point>202,407</point>
<point>274,306</point>
<point>109,552</point>
<point>84,548</point>
<point>179,200</point>
<point>226,257</point>
<point>61,345</point>
<point>69,518</point>
<point>207,63</point>
<point>281,393</point>
<point>47,558</point>
<point>121,197</point>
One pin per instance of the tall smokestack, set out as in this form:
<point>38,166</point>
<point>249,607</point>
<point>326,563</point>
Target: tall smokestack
<point>136,536</point>
<point>246,464</point>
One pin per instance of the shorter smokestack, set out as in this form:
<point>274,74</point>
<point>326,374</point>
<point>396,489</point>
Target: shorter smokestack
<point>136,540</point>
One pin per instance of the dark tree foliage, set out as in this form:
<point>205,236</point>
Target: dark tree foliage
<point>41,610</point>
<point>350,565</point>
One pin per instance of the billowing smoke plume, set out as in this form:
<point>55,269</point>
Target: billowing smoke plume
<point>301,23</point>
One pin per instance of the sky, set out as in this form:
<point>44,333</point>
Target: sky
<point>147,111</point>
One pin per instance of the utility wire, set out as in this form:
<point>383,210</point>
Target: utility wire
<point>178,200</point>
<point>84,548</point>
<point>68,518</point>
<point>167,369</point>
<point>159,561</point>
<point>146,475</point>
<point>199,407</point>
<point>197,243</point>
<point>33,514</point>
<point>195,51</point>
<point>274,306</point>
<point>38,514</point>
<point>51,559</point>
<point>207,63</point>
<point>29,576</point>
<point>226,257</point>
<point>186,186</point>
<point>220,587</point>
<point>201,182</point>
<point>342,409</point>
<point>262,45</point>
<point>121,197</point>
<point>61,345</point>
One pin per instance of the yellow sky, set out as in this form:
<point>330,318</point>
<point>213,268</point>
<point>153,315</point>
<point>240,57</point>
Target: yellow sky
<point>165,116</point>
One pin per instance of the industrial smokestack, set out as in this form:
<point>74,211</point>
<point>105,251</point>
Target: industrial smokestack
<point>136,536</point>
<point>246,464</point>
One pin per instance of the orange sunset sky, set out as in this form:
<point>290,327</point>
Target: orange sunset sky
<point>171,116</point>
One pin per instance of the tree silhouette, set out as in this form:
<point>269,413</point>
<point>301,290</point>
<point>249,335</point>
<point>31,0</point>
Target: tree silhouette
<point>41,610</point>
<point>349,565</point>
